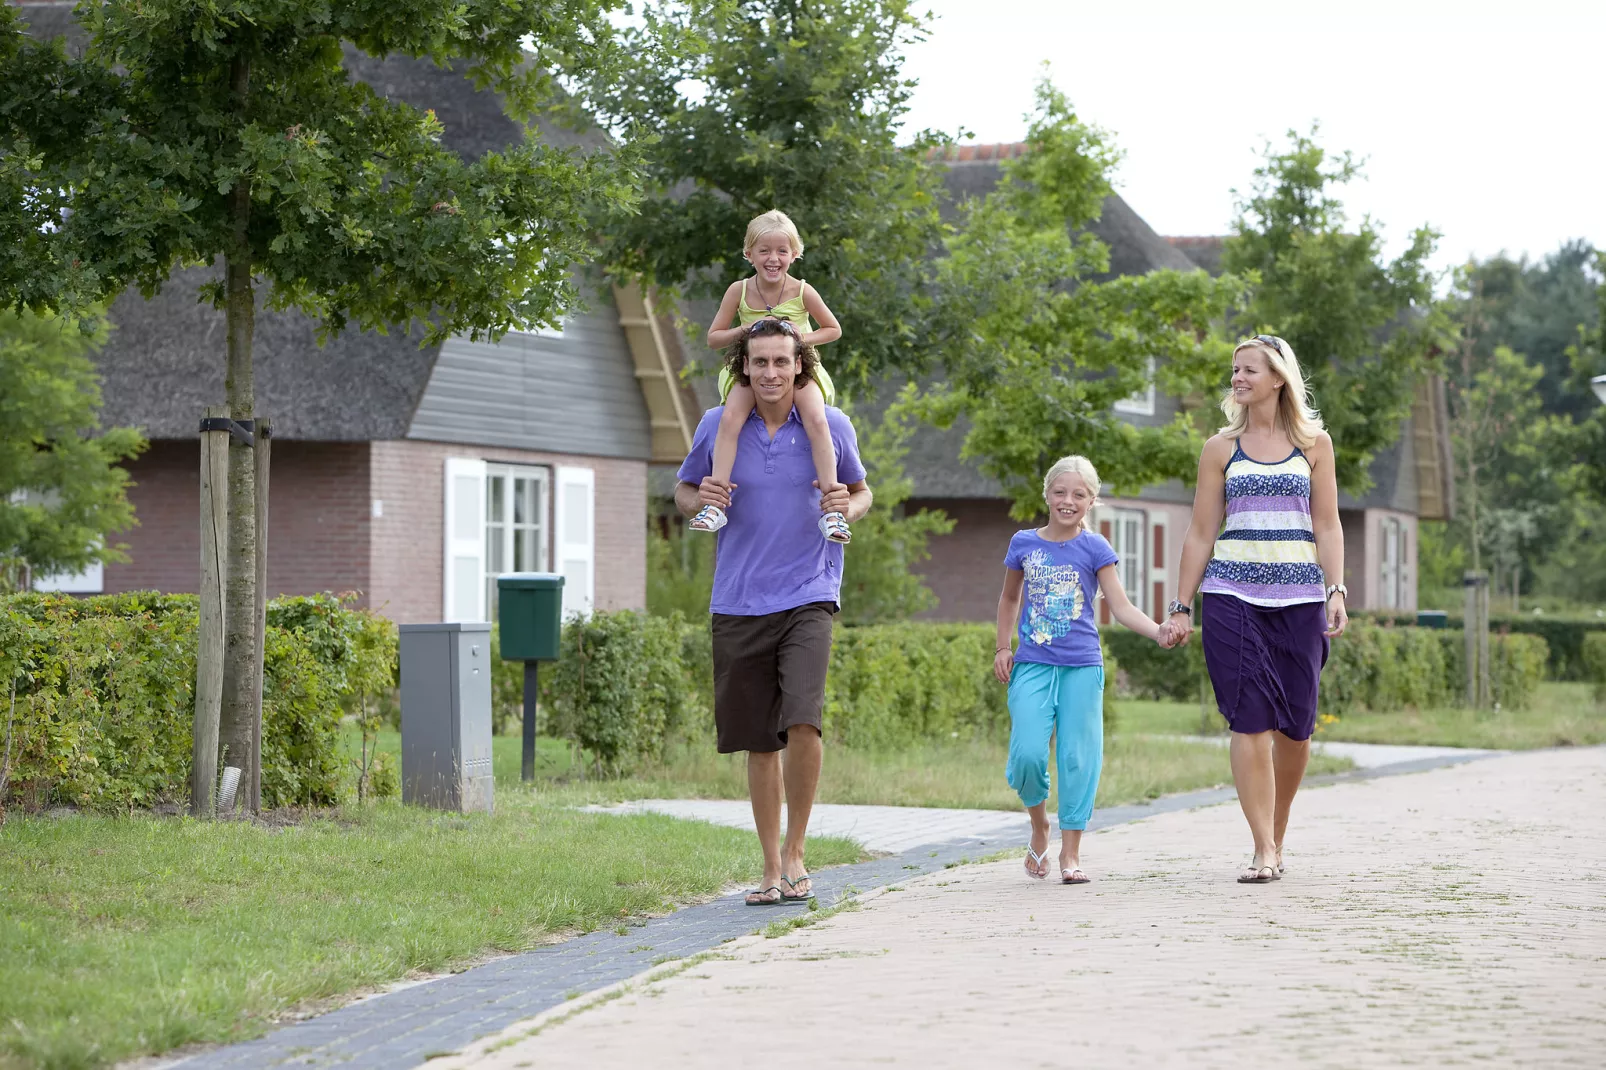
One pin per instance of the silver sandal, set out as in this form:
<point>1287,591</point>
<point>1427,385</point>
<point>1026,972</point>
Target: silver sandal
<point>834,526</point>
<point>708,518</point>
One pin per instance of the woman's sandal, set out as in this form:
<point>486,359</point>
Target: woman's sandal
<point>834,526</point>
<point>756,897</point>
<point>1069,876</point>
<point>708,518</point>
<point>1254,874</point>
<point>1033,858</point>
<point>795,896</point>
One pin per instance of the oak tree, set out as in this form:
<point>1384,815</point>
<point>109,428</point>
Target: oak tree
<point>1363,326</point>
<point>1036,347</point>
<point>231,132</point>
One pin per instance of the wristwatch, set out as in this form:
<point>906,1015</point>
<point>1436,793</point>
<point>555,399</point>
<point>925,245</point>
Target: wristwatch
<point>1338,588</point>
<point>1178,607</point>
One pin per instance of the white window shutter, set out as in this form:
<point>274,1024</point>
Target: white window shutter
<point>574,537</point>
<point>463,566</point>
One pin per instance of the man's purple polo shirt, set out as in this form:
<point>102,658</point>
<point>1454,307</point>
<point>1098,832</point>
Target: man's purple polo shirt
<point>771,555</point>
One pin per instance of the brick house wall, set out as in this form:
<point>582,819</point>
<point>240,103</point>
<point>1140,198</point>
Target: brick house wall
<point>323,534</point>
<point>317,519</point>
<point>408,478</point>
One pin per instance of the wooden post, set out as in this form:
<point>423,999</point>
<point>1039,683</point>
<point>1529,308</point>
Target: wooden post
<point>532,691</point>
<point>209,634</point>
<point>1475,629</point>
<point>263,436</point>
<point>1485,691</point>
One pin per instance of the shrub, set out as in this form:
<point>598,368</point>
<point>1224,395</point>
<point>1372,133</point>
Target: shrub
<point>104,691</point>
<point>1147,671</point>
<point>1593,655</point>
<point>619,687</point>
<point>1564,637</point>
<point>1370,667</point>
<point>891,685</point>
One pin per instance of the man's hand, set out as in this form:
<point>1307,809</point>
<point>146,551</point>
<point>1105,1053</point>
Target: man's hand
<point>713,491</point>
<point>835,499</point>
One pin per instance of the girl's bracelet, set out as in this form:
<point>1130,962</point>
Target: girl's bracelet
<point>1000,650</point>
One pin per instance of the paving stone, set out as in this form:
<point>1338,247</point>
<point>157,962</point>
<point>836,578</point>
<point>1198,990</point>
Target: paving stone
<point>406,1026</point>
<point>1449,919</point>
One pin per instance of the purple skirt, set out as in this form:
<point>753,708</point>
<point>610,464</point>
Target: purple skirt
<point>1265,663</point>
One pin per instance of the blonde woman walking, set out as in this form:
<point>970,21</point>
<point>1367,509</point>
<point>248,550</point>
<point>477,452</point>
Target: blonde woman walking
<point>1266,550</point>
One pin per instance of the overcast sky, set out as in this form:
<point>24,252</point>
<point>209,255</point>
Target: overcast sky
<point>1485,120</point>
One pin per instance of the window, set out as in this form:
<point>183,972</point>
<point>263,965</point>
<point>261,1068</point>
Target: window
<point>1141,403</point>
<point>1391,571</point>
<point>90,581</point>
<point>516,504</point>
<point>1126,530</point>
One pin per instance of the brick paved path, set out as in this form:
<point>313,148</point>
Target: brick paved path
<point>1456,916</point>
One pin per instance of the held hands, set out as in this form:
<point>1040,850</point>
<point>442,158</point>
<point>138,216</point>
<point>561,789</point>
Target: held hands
<point>1175,631</point>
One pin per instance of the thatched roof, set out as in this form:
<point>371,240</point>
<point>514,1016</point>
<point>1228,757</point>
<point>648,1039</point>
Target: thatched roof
<point>165,359</point>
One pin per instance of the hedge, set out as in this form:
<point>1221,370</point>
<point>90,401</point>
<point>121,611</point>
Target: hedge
<point>97,697</point>
<point>1594,659</point>
<point>627,683</point>
<point>1370,667</point>
<point>1563,636</point>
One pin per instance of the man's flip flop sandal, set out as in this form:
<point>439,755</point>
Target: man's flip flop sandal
<point>1069,876</point>
<point>708,518</point>
<point>761,893</point>
<point>792,884</point>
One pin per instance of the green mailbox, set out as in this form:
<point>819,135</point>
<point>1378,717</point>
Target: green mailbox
<point>530,621</point>
<point>530,612</point>
<point>1432,618</point>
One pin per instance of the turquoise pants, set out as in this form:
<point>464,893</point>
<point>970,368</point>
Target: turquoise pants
<point>1067,703</point>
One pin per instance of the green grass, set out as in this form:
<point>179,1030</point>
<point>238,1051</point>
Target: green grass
<point>963,775</point>
<point>133,935</point>
<point>1562,715</point>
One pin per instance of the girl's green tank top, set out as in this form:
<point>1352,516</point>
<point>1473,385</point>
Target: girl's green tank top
<point>791,310</point>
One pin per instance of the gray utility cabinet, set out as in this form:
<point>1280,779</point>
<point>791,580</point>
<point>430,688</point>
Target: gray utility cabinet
<point>446,716</point>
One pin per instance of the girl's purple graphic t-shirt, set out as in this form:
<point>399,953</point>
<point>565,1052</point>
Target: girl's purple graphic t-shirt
<point>1057,625</point>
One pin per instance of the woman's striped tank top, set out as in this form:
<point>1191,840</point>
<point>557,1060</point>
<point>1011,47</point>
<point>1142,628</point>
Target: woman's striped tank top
<point>1266,552</point>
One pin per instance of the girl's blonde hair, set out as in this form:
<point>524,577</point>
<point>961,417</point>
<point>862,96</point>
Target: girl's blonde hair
<point>1074,463</point>
<point>1294,411</point>
<point>773,222</point>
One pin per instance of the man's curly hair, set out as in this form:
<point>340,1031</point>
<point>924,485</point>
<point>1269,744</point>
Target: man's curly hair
<point>808,359</point>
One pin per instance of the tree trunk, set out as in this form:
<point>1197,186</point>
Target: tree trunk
<point>241,667</point>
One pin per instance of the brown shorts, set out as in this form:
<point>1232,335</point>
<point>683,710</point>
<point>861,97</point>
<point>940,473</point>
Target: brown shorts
<point>769,674</point>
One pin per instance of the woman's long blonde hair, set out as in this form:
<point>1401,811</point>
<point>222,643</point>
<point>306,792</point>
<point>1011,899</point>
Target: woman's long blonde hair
<point>1295,413</point>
